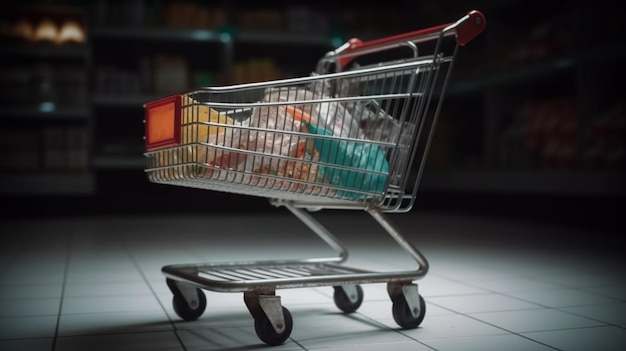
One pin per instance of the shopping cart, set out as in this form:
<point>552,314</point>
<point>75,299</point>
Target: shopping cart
<point>345,137</point>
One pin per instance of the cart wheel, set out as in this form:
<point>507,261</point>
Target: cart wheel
<point>186,312</point>
<point>266,332</point>
<point>343,302</point>
<point>403,316</point>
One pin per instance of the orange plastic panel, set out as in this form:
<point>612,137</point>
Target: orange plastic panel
<point>162,118</point>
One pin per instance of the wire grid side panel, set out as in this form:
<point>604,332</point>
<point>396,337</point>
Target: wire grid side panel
<point>333,137</point>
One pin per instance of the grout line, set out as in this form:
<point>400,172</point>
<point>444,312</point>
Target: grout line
<point>65,273</point>
<point>495,326</point>
<point>297,343</point>
<point>540,305</point>
<point>397,330</point>
<point>511,332</point>
<point>146,281</point>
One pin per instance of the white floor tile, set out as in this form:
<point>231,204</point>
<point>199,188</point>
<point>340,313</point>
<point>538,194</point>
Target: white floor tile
<point>113,323</point>
<point>325,327</point>
<point>563,298</point>
<point>97,267</point>
<point>379,309</point>
<point>27,327</point>
<point>110,304</point>
<point>306,295</point>
<point>456,266</point>
<point>450,326</point>
<point>107,275</point>
<point>228,338</point>
<point>343,335</point>
<point>30,276</point>
<point>371,292</point>
<point>433,286</point>
<point>31,290</point>
<point>616,291</point>
<point>390,346</point>
<point>149,341</point>
<point>217,318</point>
<point>29,307</point>
<point>481,303</point>
<point>214,299</point>
<point>34,344</point>
<point>106,289</point>
<point>535,320</point>
<point>610,313</point>
<point>573,278</point>
<point>516,285</point>
<point>607,338</point>
<point>382,310</point>
<point>487,343</point>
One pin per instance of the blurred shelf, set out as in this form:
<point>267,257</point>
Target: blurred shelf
<point>45,51</point>
<point>45,111</point>
<point>122,100</point>
<point>158,34</point>
<point>518,75</point>
<point>47,184</point>
<point>120,162</point>
<point>548,182</point>
<point>539,70</point>
<point>286,39</point>
<point>211,36</point>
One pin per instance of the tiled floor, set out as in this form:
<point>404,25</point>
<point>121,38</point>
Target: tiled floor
<point>494,284</point>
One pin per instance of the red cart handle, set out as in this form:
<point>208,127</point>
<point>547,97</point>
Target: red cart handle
<point>465,29</point>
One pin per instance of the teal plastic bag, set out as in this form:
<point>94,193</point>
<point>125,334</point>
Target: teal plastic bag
<point>363,158</point>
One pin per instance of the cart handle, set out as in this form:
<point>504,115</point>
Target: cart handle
<point>465,29</point>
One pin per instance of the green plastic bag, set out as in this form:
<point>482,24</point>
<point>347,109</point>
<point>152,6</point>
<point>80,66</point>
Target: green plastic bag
<point>362,158</point>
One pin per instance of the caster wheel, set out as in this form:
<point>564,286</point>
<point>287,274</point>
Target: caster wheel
<point>402,314</point>
<point>182,307</point>
<point>343,302</point>
<point>186,312</point>
<point>266,332</point>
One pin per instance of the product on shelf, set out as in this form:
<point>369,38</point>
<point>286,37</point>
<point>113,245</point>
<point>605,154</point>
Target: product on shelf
<point>44,24</point>
<point>193,15</point>
<point>255,70</point>
<point>543,135</point>
<point>606,139</point>
<point>170,73</point>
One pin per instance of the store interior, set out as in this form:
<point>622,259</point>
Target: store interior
<point>518,208</point>
<point>532,125</point>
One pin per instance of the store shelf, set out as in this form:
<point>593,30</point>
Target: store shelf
<point>45,51</point>
<point>519,75</point>
<point>159,34</point>
<point>47,184</point>
<point>119,162</point>
<point>287,39</point>
<point>546,182</point>
<point>121,100</point>
<point>210,36</point>
<point>45,111</point>
<point>538,70</point>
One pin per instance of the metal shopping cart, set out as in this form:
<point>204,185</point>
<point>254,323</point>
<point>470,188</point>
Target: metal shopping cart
<point>353,135</point>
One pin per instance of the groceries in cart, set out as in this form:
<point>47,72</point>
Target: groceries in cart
<point>350,154</point>
<point>295,139</point>
<point>268,136</point>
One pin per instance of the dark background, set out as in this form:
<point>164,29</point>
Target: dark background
<point>533,126</point>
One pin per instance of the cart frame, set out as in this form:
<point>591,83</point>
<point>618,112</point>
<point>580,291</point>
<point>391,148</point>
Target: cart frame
<point>259,280</point>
